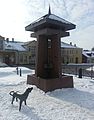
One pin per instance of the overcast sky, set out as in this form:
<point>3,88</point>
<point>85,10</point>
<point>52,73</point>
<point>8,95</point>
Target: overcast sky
<point>16,14</point>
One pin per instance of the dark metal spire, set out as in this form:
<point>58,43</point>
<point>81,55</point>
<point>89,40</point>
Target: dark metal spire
<point>49,10</point>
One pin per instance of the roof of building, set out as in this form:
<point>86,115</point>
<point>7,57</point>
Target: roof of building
<point>84,53</point>
<point>66,45</point>
<point>51,21</point>
<point>19,46</point>
<point>88,53</point>
<point>63,44</point>
<point>12,45</point>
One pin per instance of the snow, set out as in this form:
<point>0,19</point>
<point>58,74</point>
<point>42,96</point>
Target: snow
<point>85,54</point>
<point>14,46</point>
<point>66,45</point>
<point>3,64</point>
<point>63,104</point>
<point>54,17</point>
<point>88,53</point>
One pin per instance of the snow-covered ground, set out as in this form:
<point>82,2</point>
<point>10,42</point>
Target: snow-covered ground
<point>63,104</point>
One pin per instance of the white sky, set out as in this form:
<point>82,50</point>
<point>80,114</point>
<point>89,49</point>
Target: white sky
<point>16,14</point>
<point>12,19</point>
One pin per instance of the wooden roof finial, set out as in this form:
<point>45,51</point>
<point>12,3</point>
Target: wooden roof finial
<point>49,10</point>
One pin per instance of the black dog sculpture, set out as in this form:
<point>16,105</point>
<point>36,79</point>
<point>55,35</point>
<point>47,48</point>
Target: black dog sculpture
<point>21,97</point>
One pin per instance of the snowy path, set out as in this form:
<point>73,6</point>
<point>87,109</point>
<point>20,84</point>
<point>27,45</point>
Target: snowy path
<point>66,104</point>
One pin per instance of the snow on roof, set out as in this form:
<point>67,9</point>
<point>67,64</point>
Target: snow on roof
<point>54,17</point>
<point>14,46</point>
<point>88,53</point>
<point>84,53</point>
<point>51,19</point>
<point>66,45</point>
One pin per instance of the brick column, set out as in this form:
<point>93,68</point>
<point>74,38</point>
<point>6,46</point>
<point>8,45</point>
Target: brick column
<point>56,56</point>
<point>41,56</point>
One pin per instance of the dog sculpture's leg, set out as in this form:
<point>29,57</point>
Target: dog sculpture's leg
<point>20,105</point>
<point>25,102</point>
<point>12,99</point>
<point>16,100</point>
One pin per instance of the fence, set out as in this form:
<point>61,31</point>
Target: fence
<point>79,69</point>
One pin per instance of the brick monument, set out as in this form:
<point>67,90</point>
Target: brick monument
<point>48,71</point>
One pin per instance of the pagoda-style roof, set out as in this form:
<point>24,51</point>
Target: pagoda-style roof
<point>50,21</point>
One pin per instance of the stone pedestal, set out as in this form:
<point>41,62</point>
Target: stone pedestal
<point>51,84</point>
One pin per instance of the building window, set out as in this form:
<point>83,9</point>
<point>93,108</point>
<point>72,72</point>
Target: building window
<point>21,58</point>
<point>76,60</point>
<point>29,49</point>
<point>25,59</point>
<point>29,59</point>
<point>67,52</point>
<point>72,60</point>
<point>76,51</point>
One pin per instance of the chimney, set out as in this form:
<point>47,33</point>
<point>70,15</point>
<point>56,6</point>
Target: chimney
<point>74,45</point>
<point>12,39</point>
<point>70,43</point>
<point>7,39</point>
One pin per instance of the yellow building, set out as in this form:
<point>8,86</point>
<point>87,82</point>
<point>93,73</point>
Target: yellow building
<point>19,55</point>
<point>31,48</point>
<point>12,52</point>
<point>70,53</point>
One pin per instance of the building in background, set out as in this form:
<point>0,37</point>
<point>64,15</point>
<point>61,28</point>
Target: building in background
<point>18,53</point>
<point>88,56</point>
<point>12,52</point>
<point>31,48</point>
<point>1,48</point>
<point>70,53</point>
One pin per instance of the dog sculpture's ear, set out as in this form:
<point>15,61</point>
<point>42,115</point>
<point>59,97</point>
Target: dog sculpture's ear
<point>31,88</point>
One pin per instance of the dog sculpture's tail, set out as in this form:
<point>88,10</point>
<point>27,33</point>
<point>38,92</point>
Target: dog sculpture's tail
<point>12,92</point>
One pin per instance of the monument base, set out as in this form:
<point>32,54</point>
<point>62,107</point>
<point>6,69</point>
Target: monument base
<point>50,84</point>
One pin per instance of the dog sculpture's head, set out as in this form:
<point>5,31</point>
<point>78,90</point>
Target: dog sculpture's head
<point>30,89</point>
